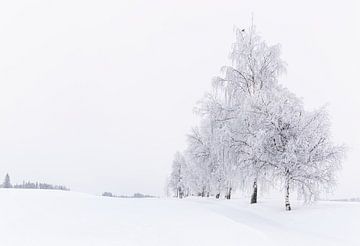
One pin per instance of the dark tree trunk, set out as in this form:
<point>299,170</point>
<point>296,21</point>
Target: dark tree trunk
<point>287,196</point>
<point>228,195</point>
<point>203,192</point>
<point>254,194</point>
<point>181,194</point>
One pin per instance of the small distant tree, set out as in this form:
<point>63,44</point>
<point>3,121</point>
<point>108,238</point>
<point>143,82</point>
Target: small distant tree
<point>109,194</point>
<point>7,183</point>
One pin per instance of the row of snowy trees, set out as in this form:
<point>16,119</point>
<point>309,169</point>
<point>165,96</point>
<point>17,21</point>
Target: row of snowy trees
<point>31,185</point>
<point>254,131</point>
<point>38,185</point>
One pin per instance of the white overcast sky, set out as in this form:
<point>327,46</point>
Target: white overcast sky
<point>98,95</point>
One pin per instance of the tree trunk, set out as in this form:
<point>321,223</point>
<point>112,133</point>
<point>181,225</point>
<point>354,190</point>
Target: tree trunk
<point>254,194</point>
<point>219,190</point>
<point>287,195</point>
<point>228,195</point>
<point>203,192</point>
<point>180,193</point>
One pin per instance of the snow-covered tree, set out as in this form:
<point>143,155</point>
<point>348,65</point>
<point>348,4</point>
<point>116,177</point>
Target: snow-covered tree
<point>7,183</point>
<point>178,176</point>
<point>200,157</point>
<point>255,68</point>
<point>297,145</point>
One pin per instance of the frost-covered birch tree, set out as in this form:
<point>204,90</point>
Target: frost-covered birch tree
<point>255,68</point>
<point>297,145</point>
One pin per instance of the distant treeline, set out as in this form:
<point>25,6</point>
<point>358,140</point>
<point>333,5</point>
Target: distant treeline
<point>355,199</point>
<point>37,185</point>
<point>31,185</point>
<point>136,195</point>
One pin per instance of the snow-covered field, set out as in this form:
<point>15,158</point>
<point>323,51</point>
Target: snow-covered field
<point>44,217</point>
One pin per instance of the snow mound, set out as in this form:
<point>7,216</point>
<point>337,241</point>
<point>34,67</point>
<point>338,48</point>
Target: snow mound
<point>46,217</point>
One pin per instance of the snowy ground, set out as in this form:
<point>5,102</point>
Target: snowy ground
<point>41,217</point>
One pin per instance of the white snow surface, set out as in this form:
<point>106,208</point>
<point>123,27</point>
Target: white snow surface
<point>47,217</point>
